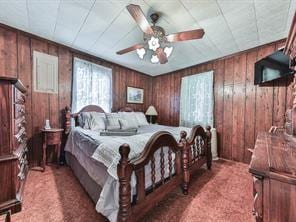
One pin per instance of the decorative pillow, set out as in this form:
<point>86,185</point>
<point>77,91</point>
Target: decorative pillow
<point>141,119</point>
<point>113,121</point>
<point>130,117</point>
<point>126,125</point>
<point>97,121</point>
<point>84,119</point>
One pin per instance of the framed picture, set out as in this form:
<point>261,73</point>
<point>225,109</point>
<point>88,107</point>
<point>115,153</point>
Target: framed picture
<point>135,95</point>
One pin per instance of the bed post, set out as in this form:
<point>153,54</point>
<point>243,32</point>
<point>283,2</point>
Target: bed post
<point>124,171</point>
<point>209,149</point>
<point>185,162</point>
<point>67,120</point>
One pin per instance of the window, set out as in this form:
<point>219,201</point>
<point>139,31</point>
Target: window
<point>45,72</point>
<point>92,85</point>
<point>197,101</point>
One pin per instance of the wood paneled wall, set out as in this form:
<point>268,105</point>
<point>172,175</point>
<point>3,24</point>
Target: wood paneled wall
<point>16,50</point>
<point>241,108</point>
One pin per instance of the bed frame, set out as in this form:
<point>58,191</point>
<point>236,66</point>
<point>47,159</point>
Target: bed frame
<point>190,154</point>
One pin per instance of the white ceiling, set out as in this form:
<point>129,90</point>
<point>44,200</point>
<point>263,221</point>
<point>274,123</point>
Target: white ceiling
<point>102,27</point>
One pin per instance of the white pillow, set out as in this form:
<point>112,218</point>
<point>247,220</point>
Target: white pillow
<point>125,124</point>
<point>97,121</point>
<point>84,118</point>
<point>130,117</point>
<point>113,120</point>
<point>141,119</point>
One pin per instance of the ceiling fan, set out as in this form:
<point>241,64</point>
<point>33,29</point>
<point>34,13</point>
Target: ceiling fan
<point>155,38</point>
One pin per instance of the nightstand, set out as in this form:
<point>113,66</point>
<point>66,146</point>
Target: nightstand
<point>51,137</point>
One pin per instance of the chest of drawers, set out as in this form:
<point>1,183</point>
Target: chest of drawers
<point>273,167</point>
<point>13,146</point>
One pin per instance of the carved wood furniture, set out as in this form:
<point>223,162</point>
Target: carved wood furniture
<point>13,147</point>
<point>51,137</point>
<point>290,47</point>
<point>290,50</point>
<point>5,216</point>
<point>273,167</point>
<point>190,153</point>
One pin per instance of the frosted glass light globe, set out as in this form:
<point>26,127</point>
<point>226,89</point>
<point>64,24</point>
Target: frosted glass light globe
<point>168,51</point>
<point>154,59</point>
<point>141,52</point>
<point>153,43</point>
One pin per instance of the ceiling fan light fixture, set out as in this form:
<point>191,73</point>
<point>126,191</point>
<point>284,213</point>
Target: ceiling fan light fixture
<point>156,42</point>
<point>153,43</point>
<point>168,51</point>
<point>141,52</point>
<point>154,59</point>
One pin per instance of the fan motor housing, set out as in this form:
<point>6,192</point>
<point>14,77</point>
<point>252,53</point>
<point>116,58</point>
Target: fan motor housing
<point>158,32</point>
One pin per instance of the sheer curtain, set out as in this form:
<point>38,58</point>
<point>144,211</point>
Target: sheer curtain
<point>197,100</point>
<point>92,85</point>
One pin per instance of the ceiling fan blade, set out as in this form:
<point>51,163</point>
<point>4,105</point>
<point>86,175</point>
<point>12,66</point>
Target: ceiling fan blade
<point>129,49</point>
<point>161,56</point>
<point>187,35</point>
<point>138,15</point>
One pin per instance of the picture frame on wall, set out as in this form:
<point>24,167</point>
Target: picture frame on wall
<point>135,95</point>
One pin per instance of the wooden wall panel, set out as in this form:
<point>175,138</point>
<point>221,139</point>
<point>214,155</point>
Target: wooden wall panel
<point>65,77</point>
<point>53,99</point>
<point>8,53</point>
<point>250,105</point>
<point>16,58</point>
<point>226,150</point>
<point>219,99</point>
<point>40,106</point>
<point>241,108</point>
<point>264,97</point>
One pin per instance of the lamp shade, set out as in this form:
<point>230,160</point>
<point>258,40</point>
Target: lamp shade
<point>151,111</point>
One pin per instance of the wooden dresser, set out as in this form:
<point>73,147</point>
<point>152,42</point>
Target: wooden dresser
<point>13,148</point>
<point>273,167</point>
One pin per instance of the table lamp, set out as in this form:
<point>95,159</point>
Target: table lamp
<point>151,111</point>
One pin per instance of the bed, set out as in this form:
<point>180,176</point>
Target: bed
<point>127,176</point>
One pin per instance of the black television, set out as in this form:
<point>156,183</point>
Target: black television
<point>272,67</point>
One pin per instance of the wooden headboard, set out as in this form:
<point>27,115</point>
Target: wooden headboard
<point>89,108</point>
<point>69,115</point>
<point>126,109</point>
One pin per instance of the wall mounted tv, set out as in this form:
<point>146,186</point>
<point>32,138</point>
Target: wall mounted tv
<point>272,67</point>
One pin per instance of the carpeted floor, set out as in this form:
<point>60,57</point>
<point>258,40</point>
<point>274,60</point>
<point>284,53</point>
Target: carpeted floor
<point>222,194</point>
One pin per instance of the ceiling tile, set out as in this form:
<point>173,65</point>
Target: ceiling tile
<point>98,21</point>
<point>201,9</point>
<point>121,26</point>
<point>214,28</point>
<point>71,16</point>
<point>43,16</point>
<point>15,13</point>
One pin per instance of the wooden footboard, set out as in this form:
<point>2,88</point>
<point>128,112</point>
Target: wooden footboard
<point>199,147</point>
<point>145,199</point>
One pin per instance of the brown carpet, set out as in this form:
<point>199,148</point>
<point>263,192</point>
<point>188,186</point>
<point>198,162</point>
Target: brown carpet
<point>222,194</point>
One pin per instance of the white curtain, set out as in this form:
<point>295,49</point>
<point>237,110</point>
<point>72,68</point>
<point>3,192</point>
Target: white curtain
<point>197,101</point>
<point>92,85</point>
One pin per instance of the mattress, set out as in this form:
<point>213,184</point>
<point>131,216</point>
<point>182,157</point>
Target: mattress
<point>90,185</point>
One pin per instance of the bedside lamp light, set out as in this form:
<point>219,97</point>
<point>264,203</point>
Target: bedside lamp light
<point>151,111</point>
